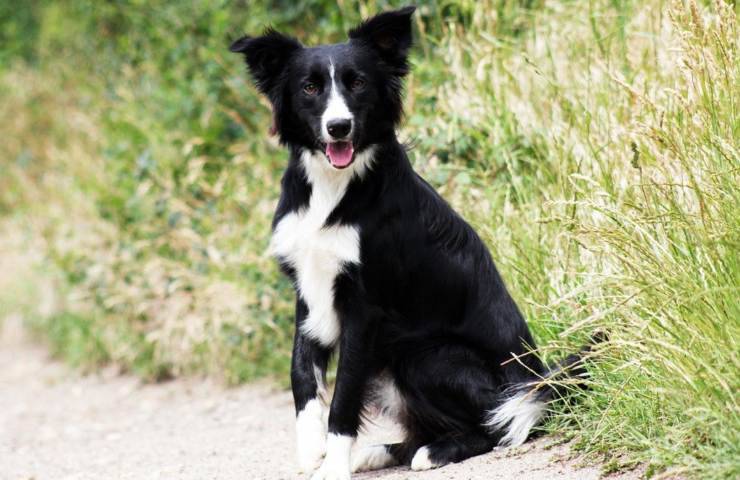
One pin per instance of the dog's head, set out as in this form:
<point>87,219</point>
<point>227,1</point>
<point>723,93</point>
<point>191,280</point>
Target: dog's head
<point>338,99</point>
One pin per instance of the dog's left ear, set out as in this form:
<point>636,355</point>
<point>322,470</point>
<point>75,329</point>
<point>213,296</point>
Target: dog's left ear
<point>266,57</point>
<point>389,33</point>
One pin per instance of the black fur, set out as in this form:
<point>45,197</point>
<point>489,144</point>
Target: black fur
<point>426,303</point>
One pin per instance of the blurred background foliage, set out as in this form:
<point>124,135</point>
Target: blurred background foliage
<point>593,144</point>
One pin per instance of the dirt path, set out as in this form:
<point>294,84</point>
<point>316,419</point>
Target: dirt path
<point>56,424</point>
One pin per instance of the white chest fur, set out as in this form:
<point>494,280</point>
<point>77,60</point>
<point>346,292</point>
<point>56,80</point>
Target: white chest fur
<point>316,252</point>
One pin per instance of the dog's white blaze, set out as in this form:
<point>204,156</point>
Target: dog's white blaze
<point>336,107</point>
<point>319,253</point>
<point>311,435</point>
<point>517,415</point>
<point>336,464</point>
<point>372,458</point>
<point>421,460</point>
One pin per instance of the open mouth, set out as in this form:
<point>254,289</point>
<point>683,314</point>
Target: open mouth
<point>340,154</point>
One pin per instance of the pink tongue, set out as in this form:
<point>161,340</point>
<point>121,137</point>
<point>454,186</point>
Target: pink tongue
<point>340,153</point>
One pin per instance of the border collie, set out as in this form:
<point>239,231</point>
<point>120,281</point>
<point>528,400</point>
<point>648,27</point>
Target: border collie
<point>385,272</point>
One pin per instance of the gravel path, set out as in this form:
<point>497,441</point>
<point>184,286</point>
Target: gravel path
<point>56,424</point>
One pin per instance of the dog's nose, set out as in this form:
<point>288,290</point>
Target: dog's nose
<point>339,128</point>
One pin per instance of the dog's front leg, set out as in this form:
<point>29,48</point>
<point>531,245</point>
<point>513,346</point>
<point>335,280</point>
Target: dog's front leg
<point>355,363</point>
<point>307,378</point>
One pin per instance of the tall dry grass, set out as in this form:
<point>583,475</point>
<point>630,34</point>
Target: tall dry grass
<point>618,129</point>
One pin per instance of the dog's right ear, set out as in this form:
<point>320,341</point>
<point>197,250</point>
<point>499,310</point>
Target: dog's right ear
<point>266,57</point>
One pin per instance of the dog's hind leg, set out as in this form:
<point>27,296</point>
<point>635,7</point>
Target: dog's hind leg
<point>447,393</point>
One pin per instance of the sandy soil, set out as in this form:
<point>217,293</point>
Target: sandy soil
<point>56,424</point>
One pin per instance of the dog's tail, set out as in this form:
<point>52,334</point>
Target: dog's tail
<point>524,405</point>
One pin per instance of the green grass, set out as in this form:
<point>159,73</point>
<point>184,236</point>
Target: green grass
<point>593,144</point>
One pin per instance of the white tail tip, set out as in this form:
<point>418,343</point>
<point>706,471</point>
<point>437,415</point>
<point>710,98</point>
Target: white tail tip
<point>517,415</point>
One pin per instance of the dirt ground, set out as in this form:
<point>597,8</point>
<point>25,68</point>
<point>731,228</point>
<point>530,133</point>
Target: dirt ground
<point>57,424</point>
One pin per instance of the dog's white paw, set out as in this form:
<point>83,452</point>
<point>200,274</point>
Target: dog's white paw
<point>310,456</point>
<point>331,471</point>
<point>311,436</point>
<point>372,458</point>
<point>421,460</point>
<point>336,463</point>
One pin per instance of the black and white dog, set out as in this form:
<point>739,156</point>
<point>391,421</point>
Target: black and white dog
<point>385,271</point>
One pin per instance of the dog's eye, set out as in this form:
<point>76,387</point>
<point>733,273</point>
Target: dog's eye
<point>310,88</point>
<point>357,84</point>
